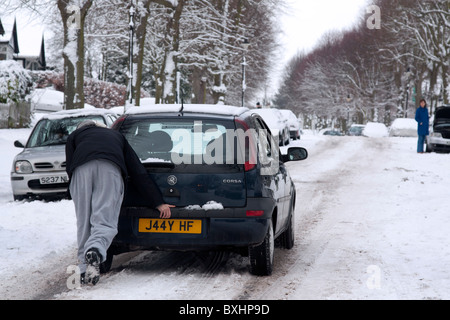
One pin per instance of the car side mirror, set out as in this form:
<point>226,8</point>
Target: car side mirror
<point>295,154</point>
<point>19,144</point>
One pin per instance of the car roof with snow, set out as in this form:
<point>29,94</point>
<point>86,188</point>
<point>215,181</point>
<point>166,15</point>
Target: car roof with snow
<point>77,113</point>
<point>267,111</point>
<point>206,109</point>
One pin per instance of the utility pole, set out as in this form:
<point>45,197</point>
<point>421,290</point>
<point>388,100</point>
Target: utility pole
<point>131,53</point>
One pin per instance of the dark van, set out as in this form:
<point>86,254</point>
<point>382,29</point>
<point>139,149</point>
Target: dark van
<point>222,169</point>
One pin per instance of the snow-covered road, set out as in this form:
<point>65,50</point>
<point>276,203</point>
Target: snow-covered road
<point>371,223</point>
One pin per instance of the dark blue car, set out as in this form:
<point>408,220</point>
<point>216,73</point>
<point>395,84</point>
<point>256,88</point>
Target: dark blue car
<point>222,169</point>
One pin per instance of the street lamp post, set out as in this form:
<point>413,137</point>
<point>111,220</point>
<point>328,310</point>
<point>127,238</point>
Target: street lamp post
<point>131,51</point>
<point>408,75</point>
<point>244,45</point>
<point>203,80</point>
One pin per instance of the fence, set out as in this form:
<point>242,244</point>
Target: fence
<point>15,115</point>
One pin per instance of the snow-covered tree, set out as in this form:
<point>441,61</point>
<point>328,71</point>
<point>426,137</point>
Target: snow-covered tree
<point>420,46</point>
<point>382,72</point>
<point>198,40</point>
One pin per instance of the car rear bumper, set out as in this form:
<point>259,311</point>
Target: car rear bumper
<point>225,228</point>
<point>294,133</point>
<point>439,144</point>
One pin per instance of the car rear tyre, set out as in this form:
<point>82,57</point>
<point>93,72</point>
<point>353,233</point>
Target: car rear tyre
<point>288,236</point>
<point>106,265</point>
<point>261,256</point>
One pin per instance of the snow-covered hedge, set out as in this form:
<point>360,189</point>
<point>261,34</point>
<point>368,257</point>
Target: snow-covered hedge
<point>15,81</point>
<point>100,94</point>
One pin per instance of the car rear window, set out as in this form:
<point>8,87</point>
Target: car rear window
<point>55,131</point>
<point>182,141</point>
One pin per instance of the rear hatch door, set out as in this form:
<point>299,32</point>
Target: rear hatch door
<point>441,122</point>
<point>190,159</point>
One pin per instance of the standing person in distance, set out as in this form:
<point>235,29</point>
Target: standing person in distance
<point>423,122</point>
<point>98,160</point>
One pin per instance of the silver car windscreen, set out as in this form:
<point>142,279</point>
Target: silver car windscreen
<point>50,132</point>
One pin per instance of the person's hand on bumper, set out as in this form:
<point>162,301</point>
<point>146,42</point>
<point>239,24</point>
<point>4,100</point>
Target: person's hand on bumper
<point>164,210</point>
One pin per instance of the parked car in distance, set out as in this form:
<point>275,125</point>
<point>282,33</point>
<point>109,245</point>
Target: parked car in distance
<point>439,138</point>
<point>39,171</point>
<point>375,130</point>
<point>293,123</point>
<point>355,130</point>
<point>403,127</point>
<point>222,169</point>
<point>330,132</point>
<point>276,122</point>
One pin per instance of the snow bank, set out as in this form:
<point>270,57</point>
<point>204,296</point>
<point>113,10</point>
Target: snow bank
<point>375,130</point>
<point>210,205</point>
<point>31,233</point>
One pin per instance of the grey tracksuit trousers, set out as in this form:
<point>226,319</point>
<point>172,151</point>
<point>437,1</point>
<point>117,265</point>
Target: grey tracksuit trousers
<point>97,191</point>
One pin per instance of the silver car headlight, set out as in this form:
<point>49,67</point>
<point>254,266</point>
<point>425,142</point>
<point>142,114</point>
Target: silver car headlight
<point>436,135</point>
<point>23,166</point>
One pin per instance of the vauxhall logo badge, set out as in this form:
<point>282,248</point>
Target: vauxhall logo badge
<point>172,180</point>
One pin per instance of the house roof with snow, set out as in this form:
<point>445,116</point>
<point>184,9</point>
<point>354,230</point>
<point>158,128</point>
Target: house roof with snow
<point>8,36</point>
<point>9,48</point>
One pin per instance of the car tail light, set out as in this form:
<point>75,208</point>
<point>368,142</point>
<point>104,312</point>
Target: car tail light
<point>118,122</point>
<point>249,166</point>
<point>250,149</point>
<point>254,213</point>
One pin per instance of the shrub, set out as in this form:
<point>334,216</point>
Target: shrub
<point>15,82</point>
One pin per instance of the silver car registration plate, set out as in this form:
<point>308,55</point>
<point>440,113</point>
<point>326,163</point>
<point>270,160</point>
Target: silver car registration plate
<point>54,179</point>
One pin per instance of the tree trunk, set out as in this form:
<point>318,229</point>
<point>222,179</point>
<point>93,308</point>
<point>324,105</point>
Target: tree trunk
<point>73,18</point>
<point>138,59</point>
<point>166,82</point>
<point>445,83</point>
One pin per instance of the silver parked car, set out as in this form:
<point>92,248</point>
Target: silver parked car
<point>39,171</point>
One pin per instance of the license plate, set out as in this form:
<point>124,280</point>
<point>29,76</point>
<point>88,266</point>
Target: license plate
<point>170,226</point>
<point>54,179</point>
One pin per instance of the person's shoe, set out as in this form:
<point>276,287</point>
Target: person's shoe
<point>93,260</point>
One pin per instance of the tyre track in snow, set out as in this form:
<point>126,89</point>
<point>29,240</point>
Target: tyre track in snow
<point>316,179</point>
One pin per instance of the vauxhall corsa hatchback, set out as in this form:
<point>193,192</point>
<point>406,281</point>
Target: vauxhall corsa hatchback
<point>222,169</point>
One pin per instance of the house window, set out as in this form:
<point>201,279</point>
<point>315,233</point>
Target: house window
<point>2,56</point>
